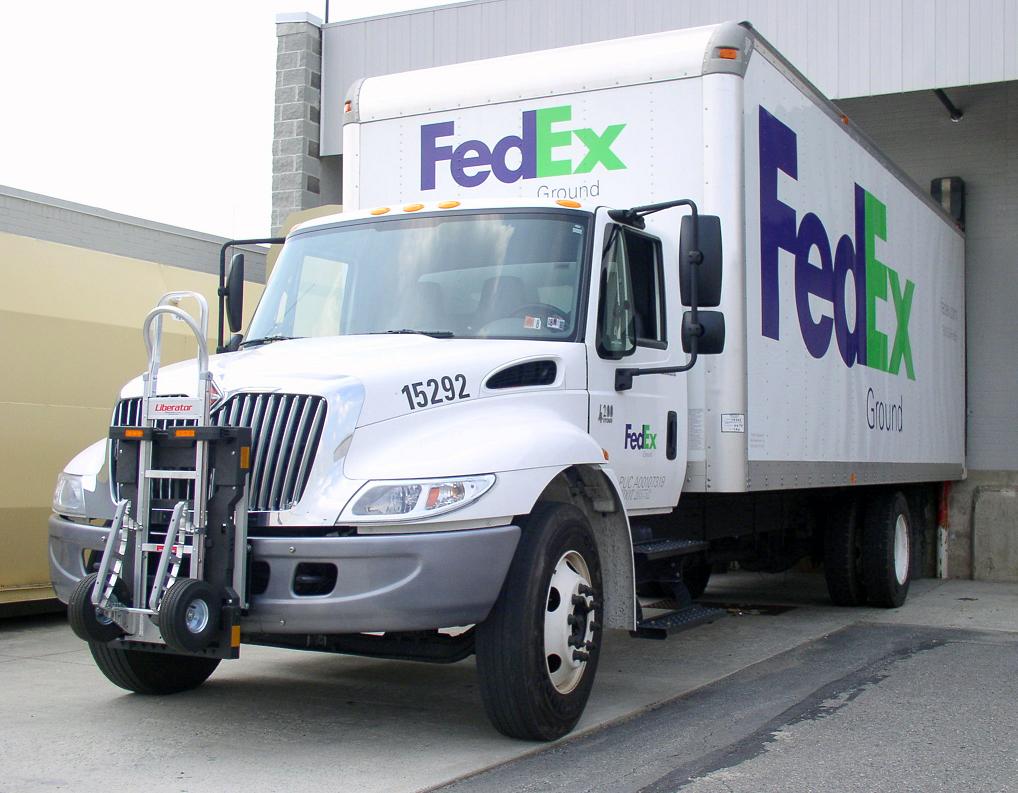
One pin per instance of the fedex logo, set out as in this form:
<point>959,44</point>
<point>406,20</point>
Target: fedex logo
<point>640,439</point>
<point>532,154</point>
<point>873,280</point>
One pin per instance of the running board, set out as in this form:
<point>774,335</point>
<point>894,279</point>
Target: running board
<point>666,549</point>
<point>683,619</point>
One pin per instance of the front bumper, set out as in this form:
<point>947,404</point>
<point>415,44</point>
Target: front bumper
<point>395,582</point>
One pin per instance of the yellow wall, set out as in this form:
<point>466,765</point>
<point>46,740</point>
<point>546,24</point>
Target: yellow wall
<point>70,337</point>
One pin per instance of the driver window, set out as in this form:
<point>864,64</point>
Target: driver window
<point>615,322</point>
<point>631,308</point>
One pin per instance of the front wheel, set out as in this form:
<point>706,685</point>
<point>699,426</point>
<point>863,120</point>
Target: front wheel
<point>537,651</point>
<point>151,673</point>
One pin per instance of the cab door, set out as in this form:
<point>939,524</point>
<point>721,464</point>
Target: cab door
<point>643,430</point>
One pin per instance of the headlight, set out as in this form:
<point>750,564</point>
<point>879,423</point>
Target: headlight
<point>417,498</point>
<point>69,496</point>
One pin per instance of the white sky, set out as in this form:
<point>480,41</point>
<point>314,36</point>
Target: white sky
<point>162,110</point>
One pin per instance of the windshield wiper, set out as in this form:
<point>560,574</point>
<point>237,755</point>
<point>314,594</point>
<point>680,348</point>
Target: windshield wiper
<point>435,334</point>
<point>267,340</point>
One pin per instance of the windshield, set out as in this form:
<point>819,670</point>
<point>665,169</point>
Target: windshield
<point>507,275</point>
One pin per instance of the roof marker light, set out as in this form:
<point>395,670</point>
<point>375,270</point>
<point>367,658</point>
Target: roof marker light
<point>728,53</point>
<point>413,207</point>
<point>568,202</point>
<point>448,204</point>
<point>379,211</point>
<point>348,106</point>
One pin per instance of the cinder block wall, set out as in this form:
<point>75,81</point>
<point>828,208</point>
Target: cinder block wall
<point>915,130</point>
<point>296,167</point>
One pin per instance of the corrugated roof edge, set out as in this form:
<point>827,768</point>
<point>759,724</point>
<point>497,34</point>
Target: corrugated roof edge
<point>782,64</point>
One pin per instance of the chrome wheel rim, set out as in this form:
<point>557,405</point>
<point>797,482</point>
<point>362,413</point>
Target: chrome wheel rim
<point>196,618</point>
<point>568,622</point>
<point>901,554</point>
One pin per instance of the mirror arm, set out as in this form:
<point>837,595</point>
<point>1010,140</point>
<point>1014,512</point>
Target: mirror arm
<point>221,292</point>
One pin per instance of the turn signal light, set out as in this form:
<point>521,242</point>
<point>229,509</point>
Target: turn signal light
<point>184,433</point>
<point>728,53</point>
<point>134,434</point>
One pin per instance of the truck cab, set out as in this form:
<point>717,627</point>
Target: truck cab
<point>441,449</point>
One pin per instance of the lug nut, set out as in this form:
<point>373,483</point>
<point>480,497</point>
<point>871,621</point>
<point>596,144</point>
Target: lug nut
<point>581,655</point>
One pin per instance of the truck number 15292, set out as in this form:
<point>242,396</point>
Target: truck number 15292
<point>447,388</point>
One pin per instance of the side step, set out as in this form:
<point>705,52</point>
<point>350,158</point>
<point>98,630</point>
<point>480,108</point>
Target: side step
<point>665,549</point>
<point>675,621</point>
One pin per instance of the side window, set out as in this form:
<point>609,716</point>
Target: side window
<point>647,276</point>
<point>631,304</point>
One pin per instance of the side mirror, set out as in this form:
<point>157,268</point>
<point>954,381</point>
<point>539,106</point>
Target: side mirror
<point>709,332</point>
<point>708,272</point>
<point>235,293</point>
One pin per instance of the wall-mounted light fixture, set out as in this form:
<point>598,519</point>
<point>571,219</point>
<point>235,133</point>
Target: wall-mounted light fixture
<point>949,192</point>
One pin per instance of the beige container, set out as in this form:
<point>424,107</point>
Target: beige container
<point>70,325</point>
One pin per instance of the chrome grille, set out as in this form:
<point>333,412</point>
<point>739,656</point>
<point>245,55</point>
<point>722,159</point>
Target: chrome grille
<point>285,431</point>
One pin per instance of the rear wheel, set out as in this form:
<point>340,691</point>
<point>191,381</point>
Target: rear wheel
<point>843,554</point>
<point>887,550</point>
<point>537,651</point>
<point>151,673</point>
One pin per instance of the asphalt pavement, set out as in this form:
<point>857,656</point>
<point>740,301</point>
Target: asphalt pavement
<point>786,693</point>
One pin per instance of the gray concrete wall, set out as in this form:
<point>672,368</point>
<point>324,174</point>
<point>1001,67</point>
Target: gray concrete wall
<point>915,131</point>
<point>45,218</point>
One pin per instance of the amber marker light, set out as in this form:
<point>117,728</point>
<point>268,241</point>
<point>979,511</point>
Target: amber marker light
<point>568,202</point>
<point>728,53</point>
<point>347,106</point>
<point>448,204</point>
<point>184,433</point>
<point>379,211</point>
<point>413,207</point>
<point>134,434</point>
<point>605,453</point>
<point>245,457</point>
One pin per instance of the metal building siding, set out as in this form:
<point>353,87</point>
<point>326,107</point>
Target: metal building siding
<point>846,47</point>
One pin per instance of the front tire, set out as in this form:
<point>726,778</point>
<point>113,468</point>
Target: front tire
<point>887,550</point>
<point>537,651</point>
<point>151,673</point>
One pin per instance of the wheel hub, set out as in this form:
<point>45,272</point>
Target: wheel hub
<point>901,550</point>
<point>196,617</point>
<point>568,622</point>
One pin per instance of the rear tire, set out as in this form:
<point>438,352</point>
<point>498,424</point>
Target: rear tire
<point>547,608</point>
<point>151,673</point>
<point>887,550</point>
<point>843,555</point>
<point>85,619</point>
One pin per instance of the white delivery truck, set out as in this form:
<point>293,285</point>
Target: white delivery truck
<point>594,320</point>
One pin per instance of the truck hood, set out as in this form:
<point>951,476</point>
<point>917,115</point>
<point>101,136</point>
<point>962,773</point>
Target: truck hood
<point>385,367</point>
